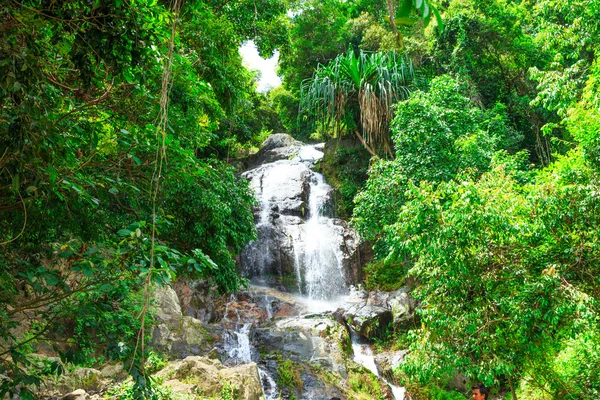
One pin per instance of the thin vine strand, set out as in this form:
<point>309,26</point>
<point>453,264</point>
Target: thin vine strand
<point>161,155</point>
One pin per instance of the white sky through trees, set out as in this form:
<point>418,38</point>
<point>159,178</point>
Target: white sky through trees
<point>253,61</point>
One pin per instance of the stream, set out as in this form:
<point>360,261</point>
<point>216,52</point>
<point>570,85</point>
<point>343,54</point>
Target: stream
<point>300,269</point>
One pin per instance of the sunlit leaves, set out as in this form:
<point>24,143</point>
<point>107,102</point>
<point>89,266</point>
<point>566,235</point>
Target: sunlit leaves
<point>355,93</point>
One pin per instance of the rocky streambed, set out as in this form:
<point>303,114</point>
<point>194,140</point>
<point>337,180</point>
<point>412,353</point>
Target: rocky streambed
<point>278,345</point>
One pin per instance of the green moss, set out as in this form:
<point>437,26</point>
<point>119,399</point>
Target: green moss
<point>346,171</point>
<point>289,376</point>
<point>363,385</point>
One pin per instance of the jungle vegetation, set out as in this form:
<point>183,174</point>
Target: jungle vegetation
<point>475,174</point>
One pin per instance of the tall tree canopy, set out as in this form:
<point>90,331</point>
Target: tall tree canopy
<point>82,224</point>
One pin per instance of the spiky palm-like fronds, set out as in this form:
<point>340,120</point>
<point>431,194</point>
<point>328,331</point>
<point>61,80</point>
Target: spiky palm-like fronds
<point>355,92</point>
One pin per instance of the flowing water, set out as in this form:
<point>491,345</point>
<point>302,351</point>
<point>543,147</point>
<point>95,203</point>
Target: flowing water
<point>363,355</point>
<point>318,254</point>
<point>294,216</point>
<point>240,351</point>
<point>294,221</point>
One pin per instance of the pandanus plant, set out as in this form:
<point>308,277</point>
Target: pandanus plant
<point>355,93</point>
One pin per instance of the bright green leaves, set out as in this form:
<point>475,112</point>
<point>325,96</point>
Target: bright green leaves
<point>78,160</point>
<point>438,135</point>
<point>503,257</point>
<point>409,12</point>
<point>354,94</point>
<point>487,257</point>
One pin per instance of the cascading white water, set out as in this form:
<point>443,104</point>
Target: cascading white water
<point>318,252</point>
<point>242,351</point>
<point>270,388</point>
<point>363,355</point>
<point>295,232</point>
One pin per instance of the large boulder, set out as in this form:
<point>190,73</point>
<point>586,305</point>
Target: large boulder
<point>368,321</point>
<point>402,304</point>
<point>387,362</point>
<point>282,185</point>
<point>190,337</point>
<point>208,375</point>
<point>315,339</point>
<point>168,309</point>
<point>278,146</point>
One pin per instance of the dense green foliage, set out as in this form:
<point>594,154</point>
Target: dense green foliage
<point>487,199</point>
<point>97,197</point>
<point>490,204</point>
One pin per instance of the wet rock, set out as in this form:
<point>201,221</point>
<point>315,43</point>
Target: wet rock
<point>278,146</point>
<point>315,388</point>
<point>400,302</point>
<point>207,376</point>
<point>283,189</point>
<point>318,340</point>
<point>284,184</point>
<point>278,140</point>
<point>242,311</point>
<point>271,303</point>
<point>368,321</point>
<point>387,362</point>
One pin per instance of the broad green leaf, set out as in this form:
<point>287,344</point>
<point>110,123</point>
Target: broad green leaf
<point>51,280</point>
<point>124,232</point>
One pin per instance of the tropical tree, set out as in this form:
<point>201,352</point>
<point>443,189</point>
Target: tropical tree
<point>355,93</point>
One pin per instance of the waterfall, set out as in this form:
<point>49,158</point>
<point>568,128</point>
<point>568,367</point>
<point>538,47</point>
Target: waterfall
<point>240,351</point>
<point>268,384</point>
<point>301,247</point>
<point>296,234</point>
<point>317,251</point>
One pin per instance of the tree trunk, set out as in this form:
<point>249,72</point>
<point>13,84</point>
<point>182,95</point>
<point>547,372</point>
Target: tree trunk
<point>512,389</point>
<point>365,144</point>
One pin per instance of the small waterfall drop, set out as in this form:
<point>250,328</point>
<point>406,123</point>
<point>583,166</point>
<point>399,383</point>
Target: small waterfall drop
<point>363,355</point>
<point>241,351</point>
<point>268,384</point>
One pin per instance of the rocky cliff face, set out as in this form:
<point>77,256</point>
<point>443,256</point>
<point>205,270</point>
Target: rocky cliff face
<point>301,246</point>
